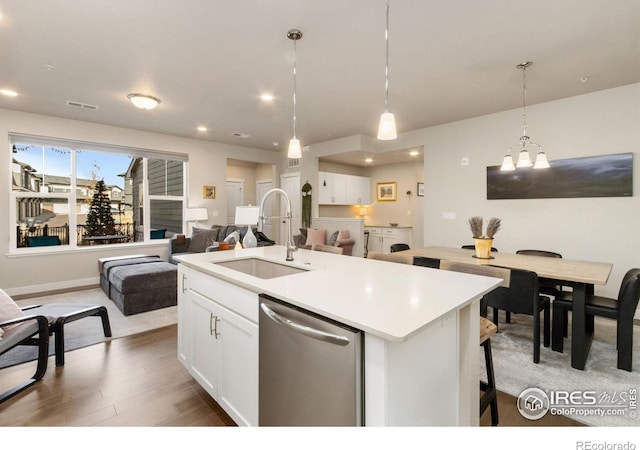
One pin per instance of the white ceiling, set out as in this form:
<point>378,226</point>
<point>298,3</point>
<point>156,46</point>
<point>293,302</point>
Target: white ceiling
<point>208,61</point>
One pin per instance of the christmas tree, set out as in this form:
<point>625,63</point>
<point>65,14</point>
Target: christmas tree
<point>99,220</point>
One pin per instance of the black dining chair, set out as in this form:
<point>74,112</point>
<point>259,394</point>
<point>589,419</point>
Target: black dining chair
<point>472,247</point>
<point>399,247</point>
<point>522,297</point>
<point>621,310</point>
<point>424,261</point>
<point>548,287</point>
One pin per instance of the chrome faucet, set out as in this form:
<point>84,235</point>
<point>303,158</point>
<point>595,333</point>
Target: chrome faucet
<point>290,247</point>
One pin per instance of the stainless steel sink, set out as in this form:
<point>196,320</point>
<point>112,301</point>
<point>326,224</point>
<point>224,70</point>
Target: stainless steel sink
<point>260,268</point>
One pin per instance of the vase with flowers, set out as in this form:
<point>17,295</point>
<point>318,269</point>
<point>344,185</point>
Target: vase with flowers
<point>483,241</point>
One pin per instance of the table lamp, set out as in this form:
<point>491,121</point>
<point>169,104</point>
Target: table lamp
<point>195,214</point>
<point>248,215</point>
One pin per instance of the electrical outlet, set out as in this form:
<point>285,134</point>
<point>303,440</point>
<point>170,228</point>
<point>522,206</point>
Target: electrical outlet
<point>449,215</point>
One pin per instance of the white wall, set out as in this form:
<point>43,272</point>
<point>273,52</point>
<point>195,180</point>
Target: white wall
<point>34,273</point>
<point>598,229</point>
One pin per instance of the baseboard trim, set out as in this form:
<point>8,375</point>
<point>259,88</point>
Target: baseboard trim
<point>37,290</point>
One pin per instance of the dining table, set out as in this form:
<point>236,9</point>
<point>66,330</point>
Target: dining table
<point>580,275</point>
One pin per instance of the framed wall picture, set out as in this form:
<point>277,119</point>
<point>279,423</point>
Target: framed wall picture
<point>208,192</point>
<point>420,189</point>
<point>386,192</point>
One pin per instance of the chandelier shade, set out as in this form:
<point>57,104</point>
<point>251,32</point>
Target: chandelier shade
<point>295,149</point>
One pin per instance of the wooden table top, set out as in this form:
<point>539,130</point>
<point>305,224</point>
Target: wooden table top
<point>588,272</point>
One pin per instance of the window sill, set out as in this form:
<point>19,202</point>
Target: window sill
<point>65,249</point>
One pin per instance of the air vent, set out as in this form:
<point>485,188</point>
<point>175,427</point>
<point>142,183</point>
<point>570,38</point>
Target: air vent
<point>293,162</point>
<point>241,135</point>
<point>81,105</point>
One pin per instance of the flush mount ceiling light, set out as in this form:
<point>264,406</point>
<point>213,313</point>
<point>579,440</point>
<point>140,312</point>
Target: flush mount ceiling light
<point>523,158</point>
<point>387,127</point>
<point>144,101</point>
<point>8,92</point>
<point>295,150</point>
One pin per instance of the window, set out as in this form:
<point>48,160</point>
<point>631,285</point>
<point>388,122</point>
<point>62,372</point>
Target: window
<point>98,191</point>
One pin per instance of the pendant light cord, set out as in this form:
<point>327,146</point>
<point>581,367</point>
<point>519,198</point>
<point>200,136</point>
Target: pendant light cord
<point>524,100</point>
<point>295,57</point>
<point>386,86</point>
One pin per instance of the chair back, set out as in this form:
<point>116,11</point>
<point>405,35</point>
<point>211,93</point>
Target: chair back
<point>629,293</point>
<point>539,253</point>
<point>399,247</point>
<point>327,249</point>
<point>472,247</point>
<point>424,261</point>
<point>476,269</point>
<point>390,257</point>
<point>522,295</point>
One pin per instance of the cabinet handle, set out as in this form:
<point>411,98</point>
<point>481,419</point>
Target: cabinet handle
<point>184,277</point>
<point>213,325</point>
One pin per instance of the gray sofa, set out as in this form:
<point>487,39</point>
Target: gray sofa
<point>202,240</point>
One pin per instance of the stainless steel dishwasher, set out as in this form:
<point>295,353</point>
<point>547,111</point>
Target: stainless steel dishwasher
<point>310,368</point>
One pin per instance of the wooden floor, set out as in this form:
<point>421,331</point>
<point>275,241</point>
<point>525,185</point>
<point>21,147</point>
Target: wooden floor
<point>137,381</point>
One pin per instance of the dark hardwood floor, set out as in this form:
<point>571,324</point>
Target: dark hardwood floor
<point>137,381</point>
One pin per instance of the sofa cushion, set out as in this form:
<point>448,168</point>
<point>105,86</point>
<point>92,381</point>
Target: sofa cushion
<point>343,234</point>
<point>316,236</point>
<point>333,238</point>
<point>201,239</point>
<point>143,277</point>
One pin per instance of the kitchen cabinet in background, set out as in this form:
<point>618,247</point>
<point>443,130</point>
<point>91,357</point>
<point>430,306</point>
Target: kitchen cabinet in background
<point>382,238</point>
<point>342,189</point>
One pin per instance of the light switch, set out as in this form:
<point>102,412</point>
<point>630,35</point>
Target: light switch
<point>449,215</point>
<point>214,213</point>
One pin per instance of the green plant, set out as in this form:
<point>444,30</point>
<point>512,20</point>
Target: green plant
<point>475,224</point>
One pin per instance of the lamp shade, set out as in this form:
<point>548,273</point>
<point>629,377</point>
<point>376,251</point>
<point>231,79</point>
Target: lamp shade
<point>507,163</point>
<point>387,127</point>
<point>196,214</point>
<point>523,159</point>
<point>295,151</point>
<point>541,161</point>
<point>247,215</point>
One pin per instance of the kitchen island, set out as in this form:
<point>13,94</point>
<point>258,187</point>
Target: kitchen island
<point>421,330</point>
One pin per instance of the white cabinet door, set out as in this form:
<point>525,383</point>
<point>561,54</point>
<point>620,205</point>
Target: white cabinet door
<point>375,240</point>
<point>339,189</point>
<point>387,241</point>
<point>205,326</point>
<point>364,189</point>
<point>324,188</point>
<point>238,364</point>
<point>183,315</point>
<point>353,190</point>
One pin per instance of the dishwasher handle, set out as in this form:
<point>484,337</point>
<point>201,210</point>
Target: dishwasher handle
<point>303,329</point>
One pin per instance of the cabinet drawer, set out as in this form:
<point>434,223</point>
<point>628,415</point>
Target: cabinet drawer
<point>374,230</point>
<point>390,232</point>
<point>239,300</point>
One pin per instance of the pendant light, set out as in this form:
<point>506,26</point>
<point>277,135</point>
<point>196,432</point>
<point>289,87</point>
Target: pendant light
<point>387,127</point>
<point>524,160</point>
<point>295,150</point>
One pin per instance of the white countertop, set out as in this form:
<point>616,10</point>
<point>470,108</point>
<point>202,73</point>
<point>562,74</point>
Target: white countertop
<point>389,300</point>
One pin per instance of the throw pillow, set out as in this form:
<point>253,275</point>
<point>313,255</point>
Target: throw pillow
<point>333,238</point>
<point>344,234</point>
<point>8,310</point>
<point>316,236</point>
<point>201,239</point>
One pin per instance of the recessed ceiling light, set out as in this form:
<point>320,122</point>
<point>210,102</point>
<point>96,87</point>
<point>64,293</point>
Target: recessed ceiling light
<point>584,79</point>
<point>275,144</point>
<point>144,101</point>
<point>414,153</point>
<point>267,97</point>
<point>368,160</point>
<point>8,92</point>
<point>201,128</point>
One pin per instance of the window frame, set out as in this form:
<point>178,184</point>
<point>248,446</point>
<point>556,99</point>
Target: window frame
<point>72,196</point>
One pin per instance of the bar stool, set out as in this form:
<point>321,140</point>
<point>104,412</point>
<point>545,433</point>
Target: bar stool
<point>488,388</point>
